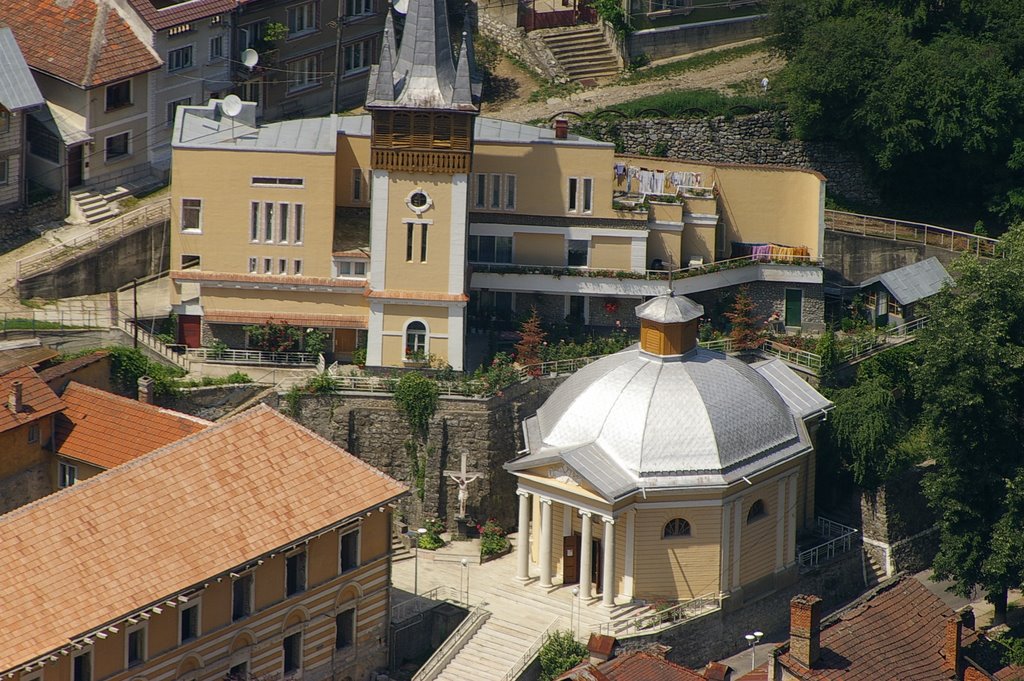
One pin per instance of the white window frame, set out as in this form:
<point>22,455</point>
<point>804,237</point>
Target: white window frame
<point>360,51</point>
<point>360,8</point>
<point>268,265</point>
<point>191,230</point>
<point>510,192</point>
<point>254,221</point>
<point>194,602</point>
<point>359,548</point>
<point>267,215</point>
<point>33,433</point>
<point>254,265</point>
<point>587,192</point>
<point>339,263</point>
<point>573,196</point>
<point>298,223</point>
<point>282,265</point>
<point>174,64</point>
<point>88,650</point>
<point>305,571</point>
<point>405,338</point>
<point>307,11</point>
<point>131,95</point>
<point>297,267</point>
<point>63,467</point>
<point>495,199</point>
<point>215,54</point>
<point>303,73</point>
<point>128,147</point>
<point>480,191</point>
<point>296,630</point>
<point>569,241</point>
<point>144,628</point>
<point>267,181</point>
<point>283,218</point>
<point>172,108</point>
<point>250,34</point>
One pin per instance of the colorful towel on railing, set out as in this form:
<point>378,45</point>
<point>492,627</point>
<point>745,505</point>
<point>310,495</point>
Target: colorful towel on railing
<point>766,252</point>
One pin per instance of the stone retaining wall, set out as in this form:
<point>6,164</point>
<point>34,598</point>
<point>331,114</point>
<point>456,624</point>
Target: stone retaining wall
<point>763,138</point>
<point>670,41</point>
<point>528,49</point>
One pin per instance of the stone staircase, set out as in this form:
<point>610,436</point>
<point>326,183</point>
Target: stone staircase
<point>399,550</point>
<point>875,572</point>
<point>96,207</point>
<point>583,53</point>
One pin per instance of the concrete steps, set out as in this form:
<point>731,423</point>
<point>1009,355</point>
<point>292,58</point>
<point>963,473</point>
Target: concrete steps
<point>876,572</point>
<point>583,52</point>
<point>399,550</point>
<point>495,649</point>
<point>93,207</point>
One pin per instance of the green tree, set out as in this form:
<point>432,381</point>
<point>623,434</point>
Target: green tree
<point>830,360</point>
<point>531,342</point>
<point>969,380</point>
<point>560,653</point>
<point>746,326</point>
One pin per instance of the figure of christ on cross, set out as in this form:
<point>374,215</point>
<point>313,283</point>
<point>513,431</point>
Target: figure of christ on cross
<point>462,478</point>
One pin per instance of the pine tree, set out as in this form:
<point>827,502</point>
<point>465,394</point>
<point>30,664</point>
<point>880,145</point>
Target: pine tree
<point>531,339</point>
<point>746,326</point>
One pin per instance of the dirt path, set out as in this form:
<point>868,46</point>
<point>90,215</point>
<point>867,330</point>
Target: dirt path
<point>750,68</point>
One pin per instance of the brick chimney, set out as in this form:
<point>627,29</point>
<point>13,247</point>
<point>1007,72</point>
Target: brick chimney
<point>967,617</point>
<point>951,651</point>
<point>805,629</point>
<point>14,399</point>
<point>146,389</point>
<point>561,129</point>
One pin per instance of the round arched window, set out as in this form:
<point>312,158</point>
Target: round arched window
<point>757,510</point>
<point>677,527</point>
<point>415,341</point>
<point>418,199</point>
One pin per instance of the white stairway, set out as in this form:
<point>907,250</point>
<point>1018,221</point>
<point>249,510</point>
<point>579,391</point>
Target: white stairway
<point>495,648</point>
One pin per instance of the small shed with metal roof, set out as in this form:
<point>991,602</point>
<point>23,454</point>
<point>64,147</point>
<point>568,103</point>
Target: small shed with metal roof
<point>892,297</point>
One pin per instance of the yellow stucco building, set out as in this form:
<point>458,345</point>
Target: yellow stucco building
<point>253,548</point>
<point>406,229</point>
<point>666,471</point>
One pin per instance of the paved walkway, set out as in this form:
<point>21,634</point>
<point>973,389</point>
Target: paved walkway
<point>520,613</point>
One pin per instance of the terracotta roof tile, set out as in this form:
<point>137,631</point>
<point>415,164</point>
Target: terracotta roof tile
<point>180,13</point>
<point>233,492</point>
<point>335,321</point>
<point>108,430</point>
<point>84,42</point>
<point>898,633</point>
<point>635,665</point>
<point>276,279</point>
<point>36,397</point>
<point>20,357</point>
<point>65,368</point>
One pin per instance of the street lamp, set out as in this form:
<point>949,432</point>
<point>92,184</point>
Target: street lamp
<point>579,615</point>
<point>752,639</point>
<point>415,536</point>
<point>465,571</point>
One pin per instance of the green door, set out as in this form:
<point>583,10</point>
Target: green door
<point>794,302</point>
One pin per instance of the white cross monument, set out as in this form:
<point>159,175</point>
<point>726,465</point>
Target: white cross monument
<point>462,478</point>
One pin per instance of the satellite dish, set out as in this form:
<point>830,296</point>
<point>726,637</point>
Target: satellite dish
<point>231,106</point>
<point>402,6</point>
<point>250,57</point>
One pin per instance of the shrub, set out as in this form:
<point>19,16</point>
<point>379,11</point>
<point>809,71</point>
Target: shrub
<point>359,357</point>
<point>431,539</point>
<point>321,383</point>
<point>560,653</point>
<point>416,397</point>
<point>238,377</point>
<point>492,538</point>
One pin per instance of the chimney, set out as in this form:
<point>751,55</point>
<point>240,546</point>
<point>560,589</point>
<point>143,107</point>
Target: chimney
<point>951,651</point>
<point>146,390</point>
<point>600,647</point>
<point>14,400</point>
<point>805,629</point>
<point>967,617</point>
<point>561,129</point>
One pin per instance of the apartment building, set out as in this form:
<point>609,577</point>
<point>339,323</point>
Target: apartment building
<point>406,229</point>
<point>253,547</point>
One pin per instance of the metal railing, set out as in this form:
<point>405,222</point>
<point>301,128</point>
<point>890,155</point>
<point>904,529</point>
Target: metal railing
<point>663,618</point>
<point>452,645</point>
<point>526,658</point>
<point>34,321</point>
<point>802,358</point>
<point>902,230</point>
<point>885,338</point>
<point>717,344</point>
<point>841,540</point>
<point>425,601</point>
<point>252,357</point>
<point>168,352</point>
<point>648,275</point>
<point>106,232</point>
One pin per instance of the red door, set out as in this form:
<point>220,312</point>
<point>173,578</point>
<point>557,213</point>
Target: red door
<point>190,330</point>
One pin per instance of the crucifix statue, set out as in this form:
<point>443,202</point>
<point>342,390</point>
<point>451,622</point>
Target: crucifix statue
<point>462,478</point>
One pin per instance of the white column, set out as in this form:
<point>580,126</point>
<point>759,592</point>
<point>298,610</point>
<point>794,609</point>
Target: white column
<point>523,547</point>
<point>780,526</point>
<point>545,542</point>
<point>378,228</point>
<point>791,513</point>
<point>737,531</point>
<point>375,335</point>
<point>458,236</point>
<point>456,335</point>
<point>627,572</point>
<point>608,585</point>
<point>586,555</point>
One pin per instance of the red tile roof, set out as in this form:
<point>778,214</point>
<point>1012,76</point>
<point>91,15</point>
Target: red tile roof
<point>36,397</point>
<point>84,42</point>
<point>636,665</point>
<point>331,321</point>
<point>108,430</point>
<point>898,633</point>
<point>170,520</point>
<point>65,368</point>
<point>179,13</point>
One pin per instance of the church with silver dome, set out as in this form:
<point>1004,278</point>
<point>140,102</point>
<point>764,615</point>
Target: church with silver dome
<point>667,471</point>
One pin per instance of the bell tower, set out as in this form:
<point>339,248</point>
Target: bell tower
<point>423,103</point>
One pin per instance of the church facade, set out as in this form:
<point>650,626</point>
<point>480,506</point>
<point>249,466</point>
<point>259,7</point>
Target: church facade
<point>405,230</point>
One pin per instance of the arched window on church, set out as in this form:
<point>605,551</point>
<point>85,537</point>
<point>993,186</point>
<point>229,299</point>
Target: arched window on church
<point>757,510</point>
<point>415,340</point>
<point>677,527</point>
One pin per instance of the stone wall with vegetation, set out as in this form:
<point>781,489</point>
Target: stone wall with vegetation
<point>487,430</point>
<point>529,51</point>
<point>764,138</point>
<point>898,515</point>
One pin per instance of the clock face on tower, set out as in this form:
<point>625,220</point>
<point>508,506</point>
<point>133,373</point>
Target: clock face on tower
<point>418,201</point>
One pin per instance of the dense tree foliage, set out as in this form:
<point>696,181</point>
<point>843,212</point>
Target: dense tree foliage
<point>931,92</point>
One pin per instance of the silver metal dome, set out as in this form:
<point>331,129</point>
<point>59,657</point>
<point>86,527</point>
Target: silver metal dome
<point>640,421</point>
